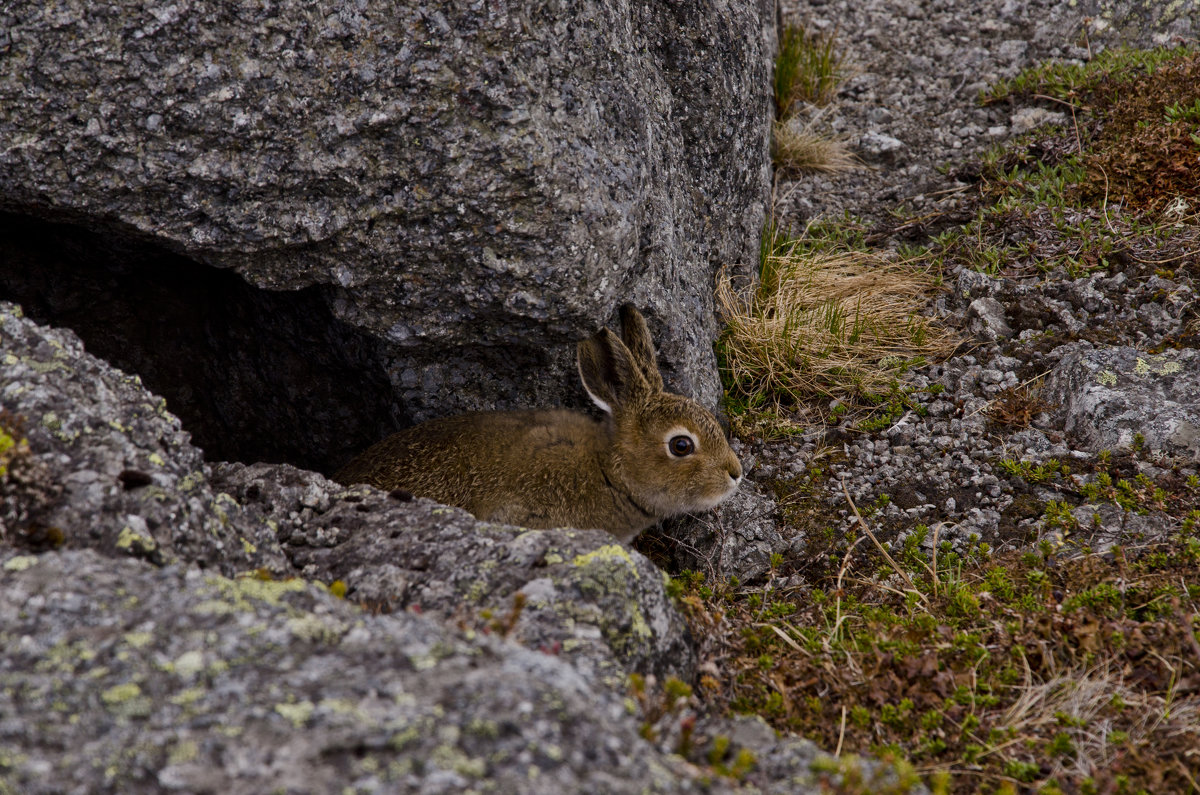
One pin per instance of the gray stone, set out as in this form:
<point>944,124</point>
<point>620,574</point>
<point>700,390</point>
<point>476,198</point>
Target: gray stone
<point>1103,526</point>
<point>972,284</point>
<point>880,148</point>
<point>104,465</point>
<point>477,186</point>
<point>121,677</point>
<point>204,675</point>
<point>585,596</point>
<point>1109,396</point>
<point>1026,119</point>
<point>737,539</point>
<point>985,319</point>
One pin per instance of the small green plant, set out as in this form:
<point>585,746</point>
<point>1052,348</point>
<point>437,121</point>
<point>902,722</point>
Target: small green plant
<point>807,69</point>
<point>1179,111</point>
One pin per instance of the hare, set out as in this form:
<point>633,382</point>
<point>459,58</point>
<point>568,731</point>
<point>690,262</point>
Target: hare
<point>654,455</point>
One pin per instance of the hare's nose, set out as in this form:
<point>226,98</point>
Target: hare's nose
<point>734,468</point>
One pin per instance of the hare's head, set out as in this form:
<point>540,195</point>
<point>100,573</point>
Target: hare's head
<point>668,453</point>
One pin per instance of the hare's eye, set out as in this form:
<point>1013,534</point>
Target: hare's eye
<point>681,446</point>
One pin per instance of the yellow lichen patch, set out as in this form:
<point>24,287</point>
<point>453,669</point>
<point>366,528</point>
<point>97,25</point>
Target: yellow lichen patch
<point>138,640</point>
<point>402,739</point>
<point>1156,365</point>
<point>11,448</point>
<point>188,697</point>
<point>342,706</point>
<point>297,713</point>
<point>313,629</point>
<point>133,541</point>
<point>1170,368</point>
<point>449,757</point>
<point>188,664</point>
<point>609,553</point>
<point>65,657</point>
<point>20,562</point>
<point>639,627</point>
<point>1106,378</point>
<point>243,589</point>
<point>119,694</point>
<point>184,752</point>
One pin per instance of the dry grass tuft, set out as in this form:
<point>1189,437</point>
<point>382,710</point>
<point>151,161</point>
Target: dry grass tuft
<point>1097,722</point>
<point>1017,406</point>
<point>831,325</point>
<point>801,149</point>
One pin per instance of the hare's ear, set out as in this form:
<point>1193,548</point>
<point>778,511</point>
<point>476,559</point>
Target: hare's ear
<point>608,371</point>
<point>636,335</point>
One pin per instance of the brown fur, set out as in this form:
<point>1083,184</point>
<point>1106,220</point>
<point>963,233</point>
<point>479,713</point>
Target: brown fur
<point>556,468</point>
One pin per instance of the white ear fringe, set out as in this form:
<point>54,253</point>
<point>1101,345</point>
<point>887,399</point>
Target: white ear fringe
<point>604,406</point>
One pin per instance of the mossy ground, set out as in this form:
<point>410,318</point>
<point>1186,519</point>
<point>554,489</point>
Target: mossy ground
<point>1059,668</point>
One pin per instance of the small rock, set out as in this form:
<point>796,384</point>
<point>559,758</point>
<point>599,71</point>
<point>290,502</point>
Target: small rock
<point>880,148</point>
<point>1026,119</point>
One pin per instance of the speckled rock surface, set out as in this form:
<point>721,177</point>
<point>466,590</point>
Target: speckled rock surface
<point>120,677</point>
<point>910,108</point>
<point>105,465</point>
<point>1110,396</point>
<point>479,185</point>
<point>586,597</point>
<point>910,111</point>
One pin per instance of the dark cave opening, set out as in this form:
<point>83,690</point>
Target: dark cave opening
<point>253,374</point>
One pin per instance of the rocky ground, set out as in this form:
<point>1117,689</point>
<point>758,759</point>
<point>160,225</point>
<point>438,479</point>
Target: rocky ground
<point>1062,433</point>
<point>912,113</point>
<point>180,624</point>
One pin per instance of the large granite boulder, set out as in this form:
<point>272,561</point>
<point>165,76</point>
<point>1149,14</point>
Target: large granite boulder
<point>90,459</point>
<point>575,593</point>
<point>474,186</point>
